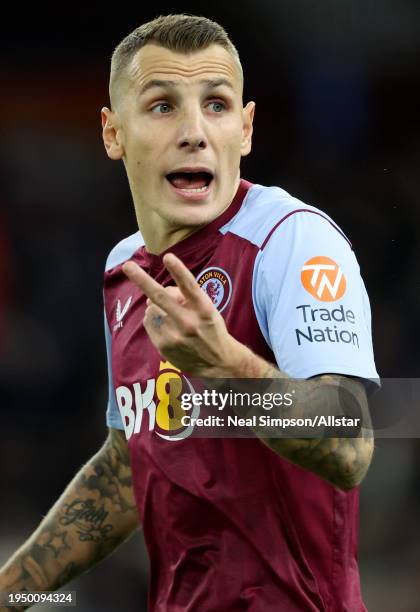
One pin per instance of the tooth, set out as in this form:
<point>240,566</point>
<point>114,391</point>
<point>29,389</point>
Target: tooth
<point>198,190</point>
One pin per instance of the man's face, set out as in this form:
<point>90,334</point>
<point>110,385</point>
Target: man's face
<point>181,129</point>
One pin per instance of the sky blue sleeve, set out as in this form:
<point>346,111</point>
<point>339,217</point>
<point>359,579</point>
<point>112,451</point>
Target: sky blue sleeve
<point>311,302</point>
<point>113,417</point>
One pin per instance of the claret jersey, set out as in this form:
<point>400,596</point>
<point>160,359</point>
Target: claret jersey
<point>230,525</point>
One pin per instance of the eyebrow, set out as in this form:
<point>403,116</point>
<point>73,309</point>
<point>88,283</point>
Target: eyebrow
<point>210,84</point>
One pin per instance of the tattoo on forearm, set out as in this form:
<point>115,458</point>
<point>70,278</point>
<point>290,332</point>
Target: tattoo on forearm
<point>57,542</point>
<point>112,480</point>
<point>88,518</point>
<point>68,573</point>
<point>342,460</point>
<point>99,497</point>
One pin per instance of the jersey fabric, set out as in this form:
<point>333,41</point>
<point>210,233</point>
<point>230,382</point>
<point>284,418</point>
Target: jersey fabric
<point>230,525</point>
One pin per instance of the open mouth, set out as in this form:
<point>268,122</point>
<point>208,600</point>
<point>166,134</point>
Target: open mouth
<point>190,182</point>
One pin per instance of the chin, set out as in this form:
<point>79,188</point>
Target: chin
<point>192,219</point>
<point>177,215</point>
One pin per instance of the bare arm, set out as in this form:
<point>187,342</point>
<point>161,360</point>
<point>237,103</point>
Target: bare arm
<point>94,515</point>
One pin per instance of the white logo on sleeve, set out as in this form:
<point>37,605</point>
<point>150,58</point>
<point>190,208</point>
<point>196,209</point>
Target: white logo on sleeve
<point>120,313</point>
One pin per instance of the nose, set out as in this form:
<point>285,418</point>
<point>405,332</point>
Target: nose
<point>191,134</point>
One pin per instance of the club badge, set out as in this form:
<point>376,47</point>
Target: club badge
<point>218,286</point>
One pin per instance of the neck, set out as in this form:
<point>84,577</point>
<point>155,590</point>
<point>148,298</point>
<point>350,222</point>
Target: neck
<point>157,243</point>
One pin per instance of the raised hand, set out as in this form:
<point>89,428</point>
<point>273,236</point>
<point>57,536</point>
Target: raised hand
<point>183,323</point>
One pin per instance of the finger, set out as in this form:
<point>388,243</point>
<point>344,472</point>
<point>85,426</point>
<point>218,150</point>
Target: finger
<point>153,290</point>
<point>154,311</point>
<point>176,293</point>
<point>185,280</point>
<point>172,291</point>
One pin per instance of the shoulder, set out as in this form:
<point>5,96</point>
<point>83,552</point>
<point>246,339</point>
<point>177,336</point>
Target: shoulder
<point>267,211</point>
<point>123,251</point>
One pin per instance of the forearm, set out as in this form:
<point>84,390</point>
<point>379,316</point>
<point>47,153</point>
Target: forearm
<point>343,461</point>
<point>94,515</point>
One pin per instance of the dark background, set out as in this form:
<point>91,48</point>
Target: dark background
<point>337,87</point>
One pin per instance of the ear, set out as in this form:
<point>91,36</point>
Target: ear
<point>247,128</point>
<point>112,134</point>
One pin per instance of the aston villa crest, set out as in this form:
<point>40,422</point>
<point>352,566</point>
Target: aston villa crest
<point>218,286</point>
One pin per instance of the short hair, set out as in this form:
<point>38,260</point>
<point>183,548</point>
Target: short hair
<point>183,33</point>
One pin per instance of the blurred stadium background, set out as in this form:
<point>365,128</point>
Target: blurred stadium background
<point>337,87</point>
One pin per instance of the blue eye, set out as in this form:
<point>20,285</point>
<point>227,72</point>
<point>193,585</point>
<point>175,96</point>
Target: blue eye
<point>162,109</point>
<point>218,106</point>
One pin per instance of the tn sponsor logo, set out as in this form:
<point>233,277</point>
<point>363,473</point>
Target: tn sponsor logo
<point>121,312</point>
<point>323,278</point>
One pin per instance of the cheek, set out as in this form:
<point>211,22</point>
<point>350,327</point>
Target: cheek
<point>140,141</point>
<point>231,150</point>
<point>141,155</point>
<point>231,140</point>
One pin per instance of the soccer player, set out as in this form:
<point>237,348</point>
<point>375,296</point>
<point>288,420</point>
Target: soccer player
<point>224,279</point>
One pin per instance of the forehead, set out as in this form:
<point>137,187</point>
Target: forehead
<point>155,62</point>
